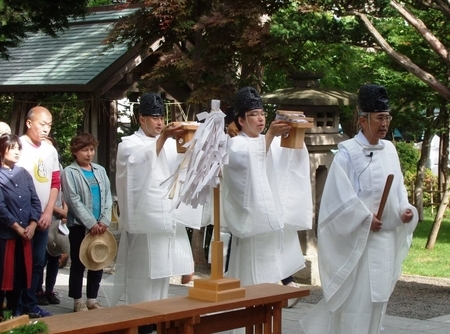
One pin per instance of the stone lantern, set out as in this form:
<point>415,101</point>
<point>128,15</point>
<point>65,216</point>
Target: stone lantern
<point>324,106</point>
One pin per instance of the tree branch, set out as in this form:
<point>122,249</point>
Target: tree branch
<point>404,61</point>
<point>442,6</point>
<point>435,44</point>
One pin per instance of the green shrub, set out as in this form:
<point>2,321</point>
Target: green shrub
<point>408,155</point>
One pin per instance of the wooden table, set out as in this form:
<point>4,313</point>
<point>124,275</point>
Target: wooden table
<point>118,319</point>
<point>259,312</point>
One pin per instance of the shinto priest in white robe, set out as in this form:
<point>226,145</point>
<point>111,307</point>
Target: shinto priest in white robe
<point>359,267</point>
<point>154,244</point>
<point>266,199</point>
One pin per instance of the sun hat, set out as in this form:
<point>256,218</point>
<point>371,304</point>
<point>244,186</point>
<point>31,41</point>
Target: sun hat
<point>58,239</point>
<point>98,251</point>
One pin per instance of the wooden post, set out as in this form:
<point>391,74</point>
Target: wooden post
<point>385,195</point>
<point>217,288</point>
<point>217,244</point>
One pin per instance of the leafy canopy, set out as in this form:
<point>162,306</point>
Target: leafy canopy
<point>19,18</point>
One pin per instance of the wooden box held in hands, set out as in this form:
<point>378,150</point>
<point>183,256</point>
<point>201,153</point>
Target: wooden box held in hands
<point>189,132</point>
<point>299,123</point>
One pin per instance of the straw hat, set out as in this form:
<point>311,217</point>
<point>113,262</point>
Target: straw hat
<point>98,251</point>
<point>58,239</point>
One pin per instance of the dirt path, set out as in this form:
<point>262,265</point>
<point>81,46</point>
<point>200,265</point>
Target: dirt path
<point>414,297</point>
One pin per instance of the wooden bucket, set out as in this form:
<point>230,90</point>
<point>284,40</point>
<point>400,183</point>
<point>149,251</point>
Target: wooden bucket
<point>299,123</point>
<point>189,132</point>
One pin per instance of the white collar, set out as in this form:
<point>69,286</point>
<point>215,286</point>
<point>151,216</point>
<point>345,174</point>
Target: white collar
<point>367,147</point>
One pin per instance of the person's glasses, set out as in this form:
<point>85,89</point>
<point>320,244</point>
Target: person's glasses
<point>383,119</point>
<point>256,114</point>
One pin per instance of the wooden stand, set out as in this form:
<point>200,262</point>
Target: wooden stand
<point>217,288</point>
<point>295,138</point>
<point>189,132</point>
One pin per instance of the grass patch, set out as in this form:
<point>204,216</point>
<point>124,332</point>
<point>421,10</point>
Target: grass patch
<point>424,262</point>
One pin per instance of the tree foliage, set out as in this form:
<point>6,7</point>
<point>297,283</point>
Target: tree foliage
<point>425,55</point>
<point>408,156</point>
<point>428,20</point>
<point>21,17</point>
<point>207,48</point>
<point>67,113</point>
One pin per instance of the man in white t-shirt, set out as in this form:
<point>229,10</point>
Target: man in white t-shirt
<point>40,159</point>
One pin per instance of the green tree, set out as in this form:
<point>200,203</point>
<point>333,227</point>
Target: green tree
<point>67,111</point>
<point>408,156</point>
<point>427,24</point>
<point>206,49</point>
<point>93,3</point>
<point>21,17</point>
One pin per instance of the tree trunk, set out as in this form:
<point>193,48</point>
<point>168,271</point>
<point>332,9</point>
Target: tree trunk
<point>443,152</point>
<point>438,220</point>
<point>443,167</point>
<point>404,61</point>
<point>424,154</point>
<point>349,123</point>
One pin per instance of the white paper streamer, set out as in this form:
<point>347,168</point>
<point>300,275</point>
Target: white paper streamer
<point>200,169</point>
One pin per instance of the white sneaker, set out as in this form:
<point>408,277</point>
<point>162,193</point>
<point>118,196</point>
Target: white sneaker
<point>80,306</point>
<point>93,305</point>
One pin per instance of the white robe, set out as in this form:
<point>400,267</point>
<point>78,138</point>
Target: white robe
<point>266,199</point>
<point>359,268</point>
<point>153,246</point>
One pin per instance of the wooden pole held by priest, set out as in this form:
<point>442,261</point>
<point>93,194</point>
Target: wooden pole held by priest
<point>385,195</point>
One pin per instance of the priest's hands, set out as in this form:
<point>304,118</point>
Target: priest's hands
<point>407,216</point>
<point>376,224</point>
<point>278,127</point>
<point>169,131</point>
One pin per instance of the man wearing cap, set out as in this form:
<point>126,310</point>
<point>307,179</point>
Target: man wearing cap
<point>266,196</point>
<point>153,247</point>
<point>360,254</point>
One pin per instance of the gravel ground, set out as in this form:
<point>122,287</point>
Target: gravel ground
<point>415,297</point>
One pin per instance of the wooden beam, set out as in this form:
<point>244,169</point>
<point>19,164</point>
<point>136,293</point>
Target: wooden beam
<point>103,82</point>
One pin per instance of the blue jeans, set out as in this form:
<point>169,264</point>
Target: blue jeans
<point>29,300</point>
<point>52,263</point>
